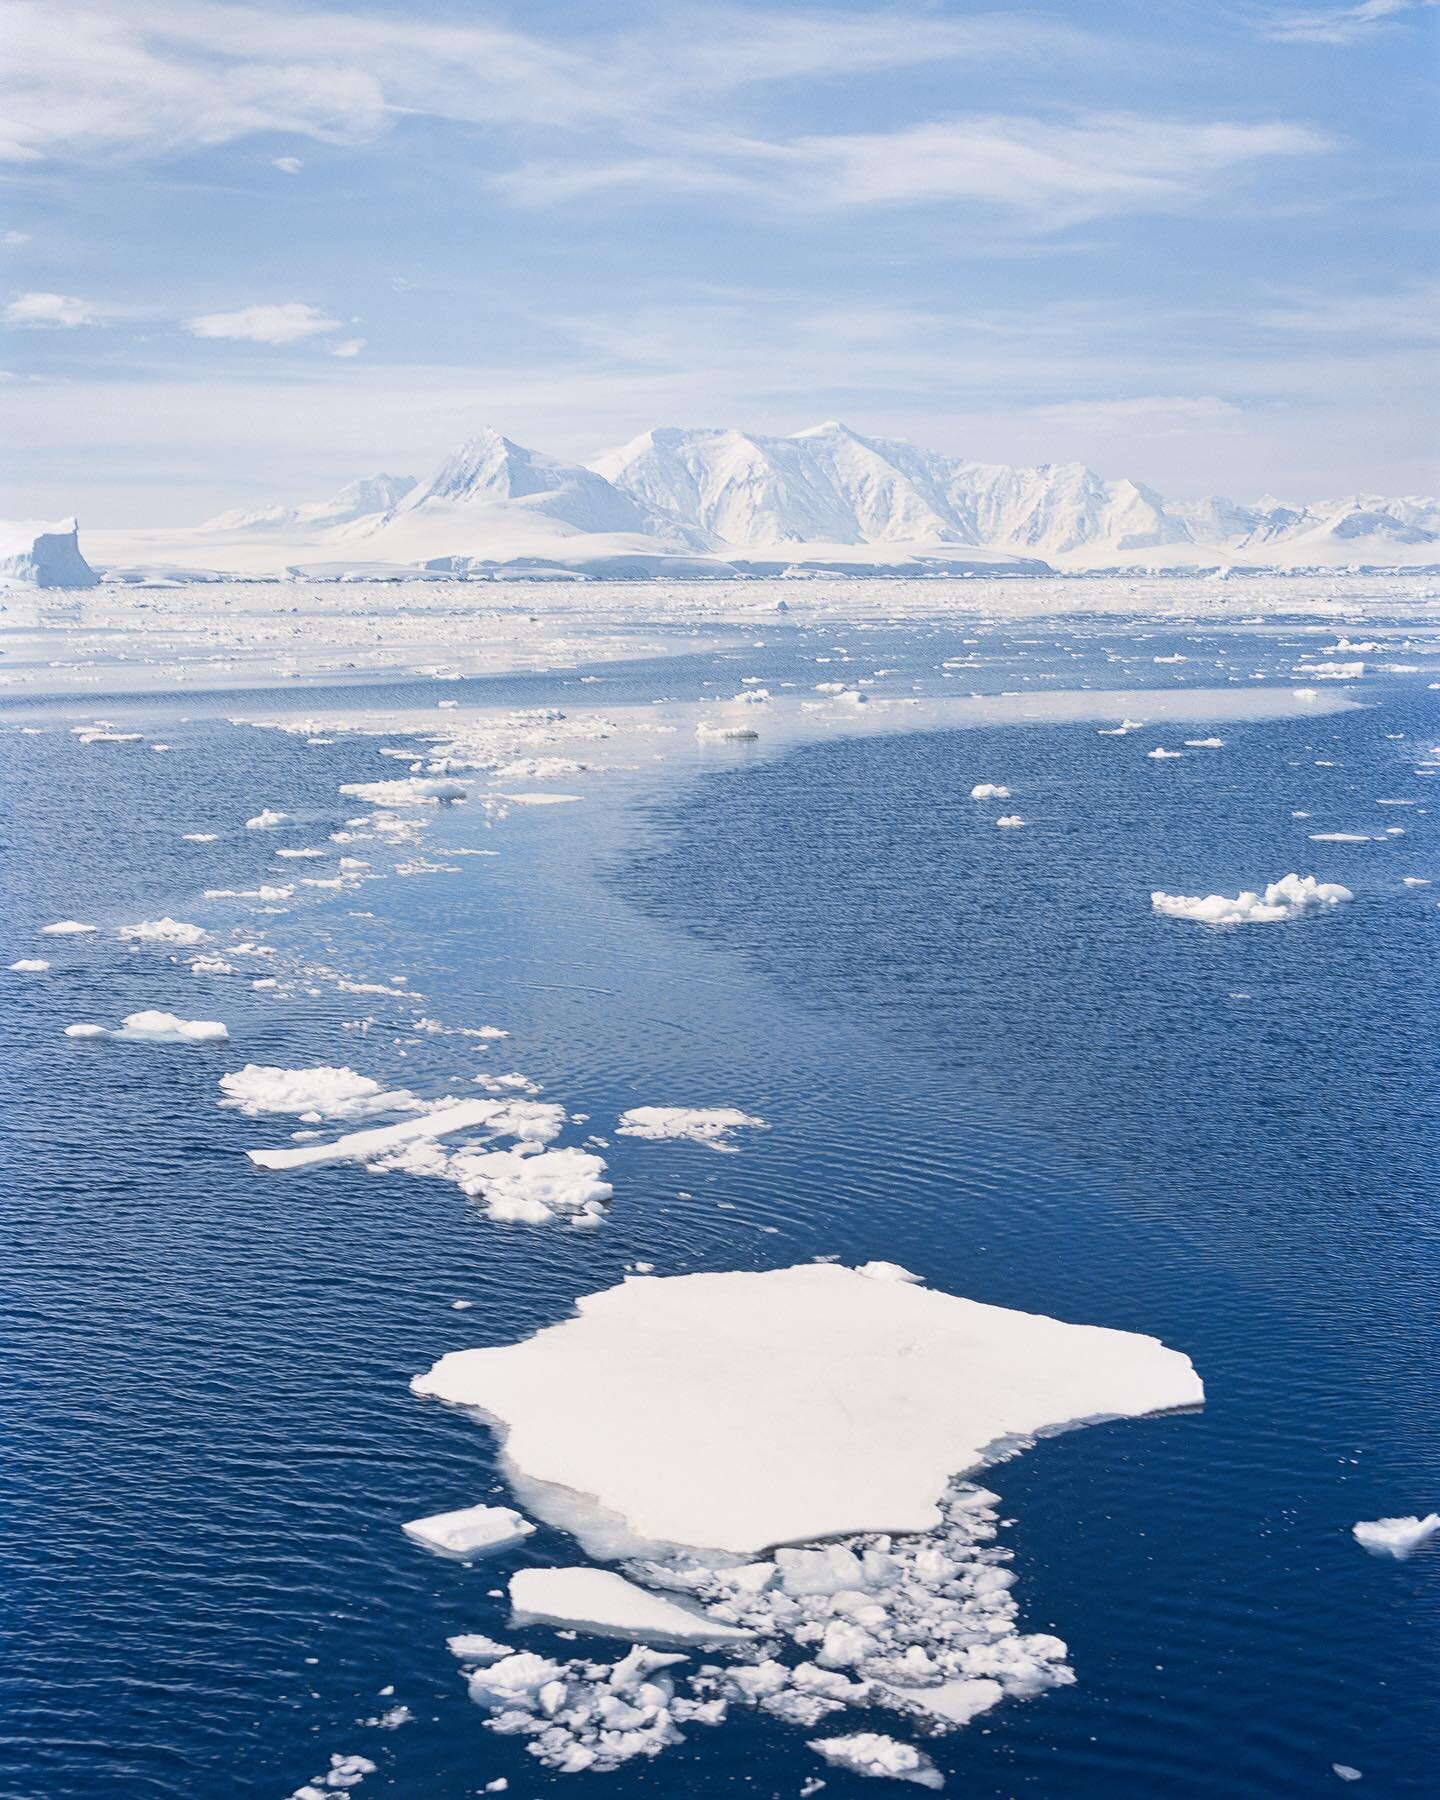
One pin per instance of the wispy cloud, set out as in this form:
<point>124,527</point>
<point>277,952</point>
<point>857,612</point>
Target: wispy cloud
<point>1044,170</point>
<point>1335,24</point>
<point>64,312</point>
<point>289,323</point>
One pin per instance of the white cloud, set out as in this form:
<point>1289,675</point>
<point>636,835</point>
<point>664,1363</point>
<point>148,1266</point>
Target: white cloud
<point>287,165</point>
<point>349,347</point>
<point>12,240</point>
<point>1335,24</point>
<point>1143,415</point>
<point>289,323</point>
<point>1045,171</point>
<point>52,311</point>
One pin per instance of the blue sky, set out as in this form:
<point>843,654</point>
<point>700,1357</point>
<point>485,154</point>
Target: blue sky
<point>253,251</point>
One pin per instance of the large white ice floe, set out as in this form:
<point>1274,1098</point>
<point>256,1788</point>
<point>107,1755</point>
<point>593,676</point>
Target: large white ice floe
<point>798,1403</point>
<point>709,1125</point>
<point>470,1531</point>
<point>1287,898</point>
<point>872,1753</point>
<point>600,1601</point>
<point>1396,1538</point>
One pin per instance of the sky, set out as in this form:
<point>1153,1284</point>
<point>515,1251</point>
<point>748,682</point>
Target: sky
<point>253,251</point>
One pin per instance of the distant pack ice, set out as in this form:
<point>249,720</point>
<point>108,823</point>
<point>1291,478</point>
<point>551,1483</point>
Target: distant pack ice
<point>678,503</point>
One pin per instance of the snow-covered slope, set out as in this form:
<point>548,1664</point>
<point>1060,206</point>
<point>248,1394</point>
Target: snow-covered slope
<point>361,499</point>
<point>693,502</point>
<point>830,483</point>
<point>43,555</point>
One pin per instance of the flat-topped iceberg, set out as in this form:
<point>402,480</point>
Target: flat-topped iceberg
<point>797,1404</point>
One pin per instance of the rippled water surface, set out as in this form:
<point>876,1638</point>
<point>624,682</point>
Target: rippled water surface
<point>980,1056</point>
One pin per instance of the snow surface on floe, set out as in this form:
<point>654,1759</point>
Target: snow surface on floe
<point>799,1403</point>
<point>1287,898</point>
<point>600,1601</point>
<point>1396,1538</point>
<point>708,1125</point>
<point>470,1530</point>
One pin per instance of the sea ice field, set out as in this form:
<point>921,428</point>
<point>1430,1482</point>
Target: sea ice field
<point>761,1188</point>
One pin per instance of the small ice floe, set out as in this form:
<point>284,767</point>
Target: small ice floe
<point>989,790</point>
<point>1345,1771</point>
<point>67,928</point>
<point>418,790</point>
<point>1011,821</point>
<point>1408,880</point>
<point>157,1028</point>
<point>199,837</point>
<point>163,931</point>
<point>318,1093</point>
<point>30,965</point>
<point>302,855</point>
<point>470,1531</point>
<point>1123,729</point>
<point>708,1125</point>
<point>266,819</point>
<point>264,892</point>
<point>1161,754</point>
<point>1287,898</point>
<point>1339,837</point>
<point>600,1601</point>
<point>95,735</point>
<point>345,1772</point>
<point>739,734</point>
<point>391,1719</point>
<point>475,1647</point>
<point>541,799</point>
<point>872,1753</point>
<point>1210,743</point>
<point>1396,1538</point>
<point>364,1146</point>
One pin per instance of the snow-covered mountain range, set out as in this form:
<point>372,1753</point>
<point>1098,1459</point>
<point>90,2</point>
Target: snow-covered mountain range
<point>706,502</point>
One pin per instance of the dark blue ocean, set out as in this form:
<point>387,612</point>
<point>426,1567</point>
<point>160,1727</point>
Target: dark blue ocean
<point>981,1056</point>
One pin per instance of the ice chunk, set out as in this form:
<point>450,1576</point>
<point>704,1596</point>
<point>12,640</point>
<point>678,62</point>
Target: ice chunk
<point>158,1028</point>
<point>1396,1538</point>
<point>708,1125</point>
<point>872,1753</point>
<point>475,1647</point>
<point>266,820</point>
<point>417,790</point>
<point>470,1531</point>
<point>163,931</point>
<point>323,1091</point>
<point>30,965</point>
<point>67,928</point>
<point>601,1601</point>
<point>885,1271</point>
<point>1287,898</point>
<point>1010,819</point>
<point>989,790</point>
<point>363,1146</point>
<point>798,1404</point>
